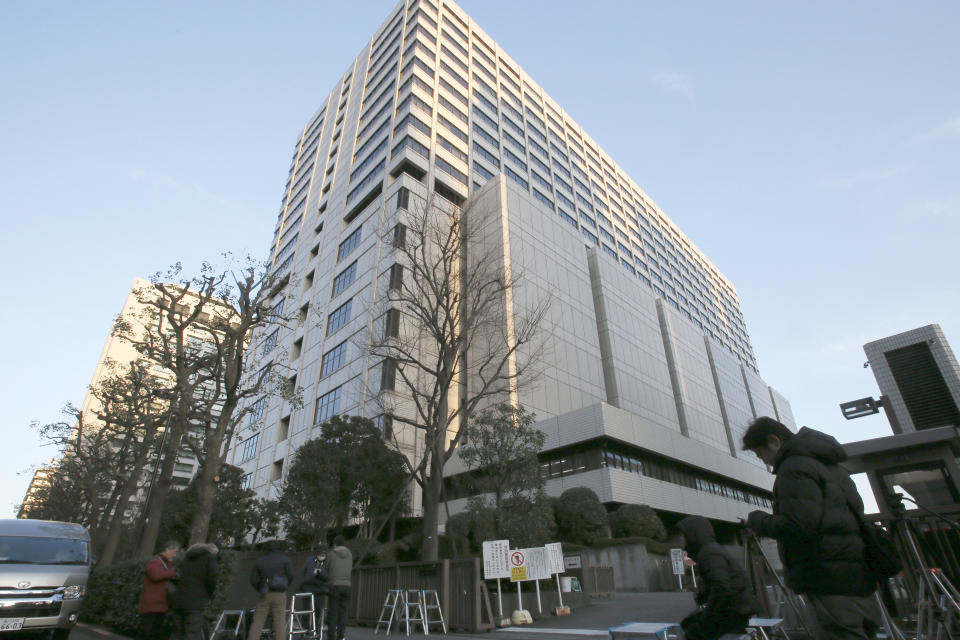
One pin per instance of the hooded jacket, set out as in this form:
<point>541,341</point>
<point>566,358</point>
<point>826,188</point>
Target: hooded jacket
<point>813,518</point>
<point>198,578</point>
<point>723,580</point>
<point>153,592</point>
<point>339,566</point>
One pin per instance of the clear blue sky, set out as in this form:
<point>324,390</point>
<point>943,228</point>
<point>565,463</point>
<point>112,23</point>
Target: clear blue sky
<point>811,150</point>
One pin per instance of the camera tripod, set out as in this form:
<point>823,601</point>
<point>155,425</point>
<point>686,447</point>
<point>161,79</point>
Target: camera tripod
<point>937,599</point>
<point>754,549</point>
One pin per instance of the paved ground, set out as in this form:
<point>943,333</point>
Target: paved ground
<point>583,623</point>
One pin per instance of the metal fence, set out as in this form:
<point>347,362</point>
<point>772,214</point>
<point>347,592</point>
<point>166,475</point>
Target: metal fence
<point>458,583</point>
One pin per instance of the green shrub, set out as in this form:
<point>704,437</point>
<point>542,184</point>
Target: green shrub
<point>112,596</point>
<point>636,520</point>
<point>580,516</point>
<point>528,522</point>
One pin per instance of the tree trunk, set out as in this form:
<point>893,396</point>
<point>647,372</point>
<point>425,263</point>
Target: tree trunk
<point>207,486</point>
<point>160,489</point>
<point>432,493</point>
<point>112,542</point>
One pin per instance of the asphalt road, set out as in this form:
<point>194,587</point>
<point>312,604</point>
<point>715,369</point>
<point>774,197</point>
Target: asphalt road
<point>585,623</point>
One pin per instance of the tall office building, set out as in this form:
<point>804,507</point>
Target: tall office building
<point>919,378</point>
<point>649,378</point>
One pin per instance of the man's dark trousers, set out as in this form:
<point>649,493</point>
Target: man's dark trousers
<point>337,601</point>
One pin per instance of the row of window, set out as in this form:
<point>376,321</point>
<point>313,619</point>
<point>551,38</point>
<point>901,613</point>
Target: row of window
<point>608,454</point>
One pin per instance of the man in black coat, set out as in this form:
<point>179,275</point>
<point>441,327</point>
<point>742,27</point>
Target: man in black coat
<point>195,587</point>
<point>313,579</point>
<point>723,592</point>
<point>816,521</point>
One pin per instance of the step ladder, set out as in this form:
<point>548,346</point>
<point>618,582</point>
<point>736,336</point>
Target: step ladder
<point>322,624</point>
<point>431,604</point>
<point>301,617</point>
<point>413,609</point>
<point>231,620</point>
<point>766,627</point>
<point>395,599</point>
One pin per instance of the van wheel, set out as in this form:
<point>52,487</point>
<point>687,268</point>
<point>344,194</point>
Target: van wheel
<point>60,634</point>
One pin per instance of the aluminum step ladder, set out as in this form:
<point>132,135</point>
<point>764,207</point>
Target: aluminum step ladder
<point>301,618</point>
<point>413,609</point>
<point>431,604</point>
<point>233,620</point>
<point>395,599</point>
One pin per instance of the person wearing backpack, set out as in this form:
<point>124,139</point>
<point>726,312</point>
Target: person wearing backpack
<point>271,575</point>
<point>816,519</point>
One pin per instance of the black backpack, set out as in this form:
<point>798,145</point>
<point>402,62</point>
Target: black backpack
<point>879,550</point>
<point>277,582</point>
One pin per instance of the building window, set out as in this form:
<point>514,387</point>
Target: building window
<point>344,279</point>
<point>399,236</point>
<point>256,410</point>
<point>246,481</point>
<point>388,375</point>
<point>333,359</point>
<point>270,342</point>
<point>403,198</point>
<point>276,472</point>
<point>349,244</point>
<point>480,169</point>
<point>249,448</point>
<point>385,424</point>
<point>396,276</point>
<point>339,317</point>
<point>391,324</point>
<point>327,406</point>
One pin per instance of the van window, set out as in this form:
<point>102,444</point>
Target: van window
<point>29,550</point>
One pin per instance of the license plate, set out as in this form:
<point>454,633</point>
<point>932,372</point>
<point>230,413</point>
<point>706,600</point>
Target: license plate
<point>11,624</point>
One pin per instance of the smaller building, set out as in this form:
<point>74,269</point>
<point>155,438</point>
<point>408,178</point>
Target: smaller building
<point>38,484</point>
<point>919,379</point>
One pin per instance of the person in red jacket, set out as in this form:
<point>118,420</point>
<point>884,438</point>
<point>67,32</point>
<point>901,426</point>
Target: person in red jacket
<point>153,604</point>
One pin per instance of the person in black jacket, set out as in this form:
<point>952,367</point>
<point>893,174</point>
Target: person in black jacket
<point>271,576</point>
<point>194,588</point>
<point>816,522</point>
<point>723,591</point>
<point>313,579</point>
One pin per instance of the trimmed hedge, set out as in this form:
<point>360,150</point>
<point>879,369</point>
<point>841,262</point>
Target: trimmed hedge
<point>114,591</point>
<point>112,595</point>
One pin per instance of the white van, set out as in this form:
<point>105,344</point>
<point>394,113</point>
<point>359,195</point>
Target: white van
<point>43,575</point>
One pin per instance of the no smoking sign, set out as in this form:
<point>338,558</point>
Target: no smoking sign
<point>518,566</point>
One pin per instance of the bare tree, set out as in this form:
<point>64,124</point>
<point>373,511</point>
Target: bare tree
<point>80,478</point>
<point>245,304</point>
<point>198,331</point>
<point>131,410</point>
<point>452,339</point>
<point>165,333</point>
<point>103,453</point>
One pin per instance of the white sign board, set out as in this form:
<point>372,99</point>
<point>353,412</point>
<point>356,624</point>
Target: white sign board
<point>538,563</point>
<point>555,552</point>
<point>571,562</point>
<point>676,559</point>
<point>496,562</point>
